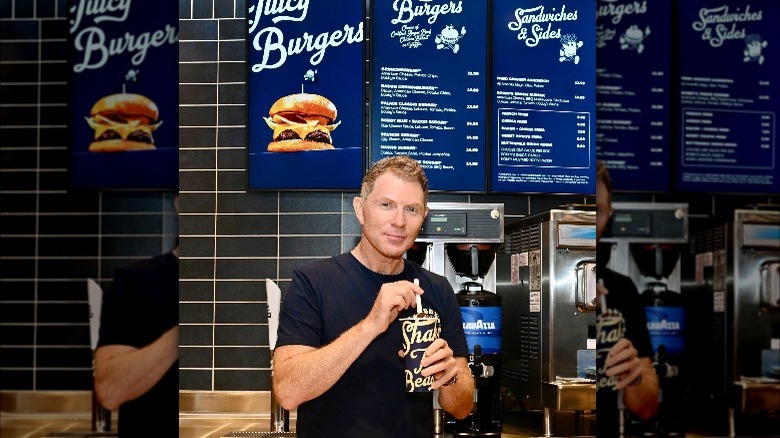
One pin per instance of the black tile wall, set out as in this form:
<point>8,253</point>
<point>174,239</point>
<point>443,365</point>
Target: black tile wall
<point>51,238</point>
<point>240,380</point>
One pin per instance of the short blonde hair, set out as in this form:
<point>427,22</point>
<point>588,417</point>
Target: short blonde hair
<point>402,166</point>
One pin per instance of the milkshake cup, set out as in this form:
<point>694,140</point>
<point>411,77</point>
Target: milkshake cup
<point>610,328</point>
<point>418,333</point>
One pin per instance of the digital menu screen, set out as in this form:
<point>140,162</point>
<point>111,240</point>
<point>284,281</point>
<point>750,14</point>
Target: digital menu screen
<point>633,56</point>
<point>428,80</point>
<point>124,103</point>
<point>543,97</point>
<point>305,83</point>
<point>728,100</point>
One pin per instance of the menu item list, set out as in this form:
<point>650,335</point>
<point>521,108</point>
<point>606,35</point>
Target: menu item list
<point>633,92</point>
<point>543,97</point>
<point>728,97</point>
<point>428,97</point>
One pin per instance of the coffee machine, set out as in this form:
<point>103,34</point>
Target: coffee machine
<point>459,241</point>
<point>547,280</point>
<point>645,241</point>
<point>732,282</point>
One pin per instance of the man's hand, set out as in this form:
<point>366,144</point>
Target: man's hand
<point>439,362</point>
<point>622,361</point>
<point>390,301</point>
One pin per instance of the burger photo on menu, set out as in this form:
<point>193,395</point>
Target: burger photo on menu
<point>123,122</point>
<point>301,122</point>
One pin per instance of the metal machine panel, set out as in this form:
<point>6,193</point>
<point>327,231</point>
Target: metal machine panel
<point>456,221</point>
<point>704,276</point>
<point>734,318</point>
<point>756,241</point>
<point>635,222</point>
<point>539,271</point>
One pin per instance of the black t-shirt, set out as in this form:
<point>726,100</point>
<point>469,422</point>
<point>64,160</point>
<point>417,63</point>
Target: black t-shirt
<point>326,299</point>
<point>140,306</point>
<point>624,297</point>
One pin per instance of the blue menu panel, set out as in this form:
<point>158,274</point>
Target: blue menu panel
<point>729,70</point>
<point>305,107</point>
<point>124,105</point>
<point>428,80</point>
<point>633,80</point>
<point>543,97</point>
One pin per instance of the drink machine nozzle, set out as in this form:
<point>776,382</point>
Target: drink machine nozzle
<point>478,368</point>
<point>474,261</point>
<point>656,260</point>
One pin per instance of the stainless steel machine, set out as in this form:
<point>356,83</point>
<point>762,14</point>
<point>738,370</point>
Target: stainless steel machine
<point>459,241</point>
<point>547,280</point>
<point>733,285</point>
<point>645,243</point>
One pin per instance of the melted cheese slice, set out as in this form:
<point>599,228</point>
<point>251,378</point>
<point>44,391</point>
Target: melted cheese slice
<point>280,124</point>
<point>101,124</point>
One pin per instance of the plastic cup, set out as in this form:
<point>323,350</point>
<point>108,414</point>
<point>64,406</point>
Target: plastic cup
<point>609,330</point>
<point>418,334</point>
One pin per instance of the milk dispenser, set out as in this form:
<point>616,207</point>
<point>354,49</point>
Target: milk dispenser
<point>547,281</point>
<point>733,285</point>
<point>645,243</point>
<point>459,241</point>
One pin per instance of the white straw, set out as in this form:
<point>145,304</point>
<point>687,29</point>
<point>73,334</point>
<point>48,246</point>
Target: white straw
<point>418,297</point>
<point>602,298</point>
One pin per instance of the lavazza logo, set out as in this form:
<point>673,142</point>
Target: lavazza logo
<point>663,325</point>
<point>479,325</point>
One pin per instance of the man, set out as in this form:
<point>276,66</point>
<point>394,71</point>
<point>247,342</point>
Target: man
<point>136,360</point>
<point>337,358</point>
<point>631,357</point>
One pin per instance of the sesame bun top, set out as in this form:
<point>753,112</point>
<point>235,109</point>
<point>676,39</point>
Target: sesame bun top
<point>304,104</point>
<point>127,105</point>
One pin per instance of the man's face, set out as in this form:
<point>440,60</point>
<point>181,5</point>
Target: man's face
<point>391,215</point>
<point>604,209</point>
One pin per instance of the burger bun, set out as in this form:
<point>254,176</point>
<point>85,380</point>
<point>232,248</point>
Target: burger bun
<point>304,104</point>
<point>129,105</point>
<point>119,145</point>
<point>297,145</point>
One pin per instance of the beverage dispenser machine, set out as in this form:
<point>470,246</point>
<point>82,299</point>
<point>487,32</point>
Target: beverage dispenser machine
<point>645,242</point>
<point>733,285</point>
<point>459,241</point>
<point>547,281</point>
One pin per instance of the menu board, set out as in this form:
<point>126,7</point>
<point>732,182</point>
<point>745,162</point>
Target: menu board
<point>633,46</point>
<point>428,80</point>
<point>543,96</point>
<point>729,70</point>
<point>305,84</point>
<point>124,110</point>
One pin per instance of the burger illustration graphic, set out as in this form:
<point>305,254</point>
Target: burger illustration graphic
<point>301,122</point>
<point>123,122</point>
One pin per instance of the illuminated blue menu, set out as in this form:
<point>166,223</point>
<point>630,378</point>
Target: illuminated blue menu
<point>428,80</point>
<point>633,53</point>
<point>543,97</point>
<point>124,102</point>
<point>728,100</point>
<point>305,108</point>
